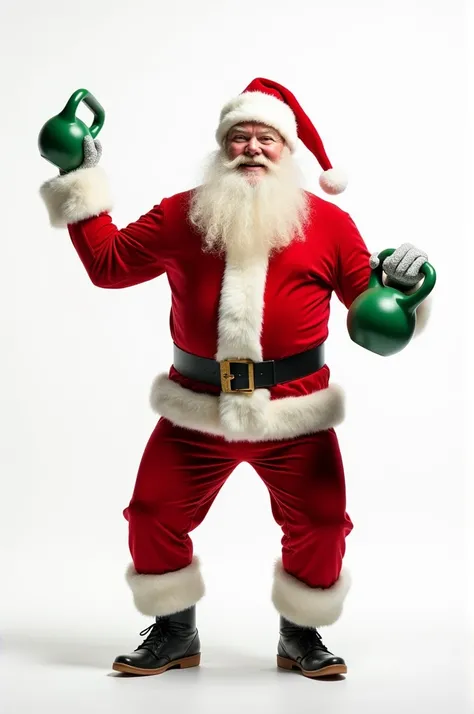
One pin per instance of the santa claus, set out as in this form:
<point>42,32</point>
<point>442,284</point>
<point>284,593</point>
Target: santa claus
<point>252,260</point>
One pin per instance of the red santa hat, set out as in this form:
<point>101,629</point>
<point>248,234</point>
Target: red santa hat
<point>268,102</point>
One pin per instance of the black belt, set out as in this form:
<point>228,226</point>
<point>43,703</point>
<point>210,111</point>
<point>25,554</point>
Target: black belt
<point>243,375</point>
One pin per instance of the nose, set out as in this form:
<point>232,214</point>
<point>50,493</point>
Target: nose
<point>253,148</point>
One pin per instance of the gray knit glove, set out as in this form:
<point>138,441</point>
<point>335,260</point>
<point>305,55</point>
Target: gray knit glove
<point>403,266</point>
<point>92,153</point>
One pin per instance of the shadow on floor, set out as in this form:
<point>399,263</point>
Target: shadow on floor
<point>70,650</point>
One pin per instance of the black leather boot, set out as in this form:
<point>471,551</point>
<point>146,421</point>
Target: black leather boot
<point>172,641</point>
<point>302,648</point>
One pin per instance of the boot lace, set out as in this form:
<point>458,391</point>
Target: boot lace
<point>160,632</point>
<point>308,639</point>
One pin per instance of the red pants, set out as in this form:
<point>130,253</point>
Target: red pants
<point>182,471</point>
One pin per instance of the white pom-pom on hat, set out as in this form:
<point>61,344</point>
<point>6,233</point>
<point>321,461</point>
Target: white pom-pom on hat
<point>333,181</point>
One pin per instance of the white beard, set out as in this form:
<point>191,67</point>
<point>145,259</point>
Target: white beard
<point>245,218</point>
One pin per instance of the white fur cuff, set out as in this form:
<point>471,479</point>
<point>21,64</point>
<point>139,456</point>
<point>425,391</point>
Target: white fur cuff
<point>161,595</point>
<point>305,606</point>
<point>75,196</point>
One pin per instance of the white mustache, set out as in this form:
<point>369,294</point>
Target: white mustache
<point>243,160</point>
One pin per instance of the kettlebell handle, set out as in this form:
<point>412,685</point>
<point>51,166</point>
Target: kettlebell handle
<point>83,95</point>
<point>376,277</point>
<point>412,301</point>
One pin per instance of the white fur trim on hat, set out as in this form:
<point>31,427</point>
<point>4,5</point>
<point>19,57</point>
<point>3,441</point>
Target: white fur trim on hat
<point>258,107</point>
<point>333,181</point>
<point>306,606</point>
<point>161,595</point>
<point>81,194</point>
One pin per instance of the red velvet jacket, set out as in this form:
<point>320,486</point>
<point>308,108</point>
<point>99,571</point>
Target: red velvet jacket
<point>267,309</point>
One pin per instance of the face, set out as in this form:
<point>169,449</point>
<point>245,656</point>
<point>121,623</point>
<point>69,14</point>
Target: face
<point>257,144</point>
<point>251,210</point>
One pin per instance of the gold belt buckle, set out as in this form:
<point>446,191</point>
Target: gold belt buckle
<point>227,377</point>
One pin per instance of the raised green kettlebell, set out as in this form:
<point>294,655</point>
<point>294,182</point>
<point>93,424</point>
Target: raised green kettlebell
<point>383,319</point>
<point>60,141</point>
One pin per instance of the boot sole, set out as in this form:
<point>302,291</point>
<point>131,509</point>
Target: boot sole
<point>329,671</point>
<point>184,663</point>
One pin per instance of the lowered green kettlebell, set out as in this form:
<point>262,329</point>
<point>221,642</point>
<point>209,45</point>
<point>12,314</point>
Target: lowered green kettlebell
<point>60,141</point>
<point>383,319</point>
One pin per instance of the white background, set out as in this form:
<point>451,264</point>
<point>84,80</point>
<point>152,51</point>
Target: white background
<point>385,84</point>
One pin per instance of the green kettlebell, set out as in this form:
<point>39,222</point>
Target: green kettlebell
<point>383,319</point>
<point>60,141</point>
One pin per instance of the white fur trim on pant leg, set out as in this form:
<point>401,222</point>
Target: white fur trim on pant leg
<point>306,606</point>
<point>75,196</point>
<point>160,595</point>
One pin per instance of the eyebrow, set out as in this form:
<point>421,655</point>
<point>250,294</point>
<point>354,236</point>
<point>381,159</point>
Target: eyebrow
<point>239,130</point>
